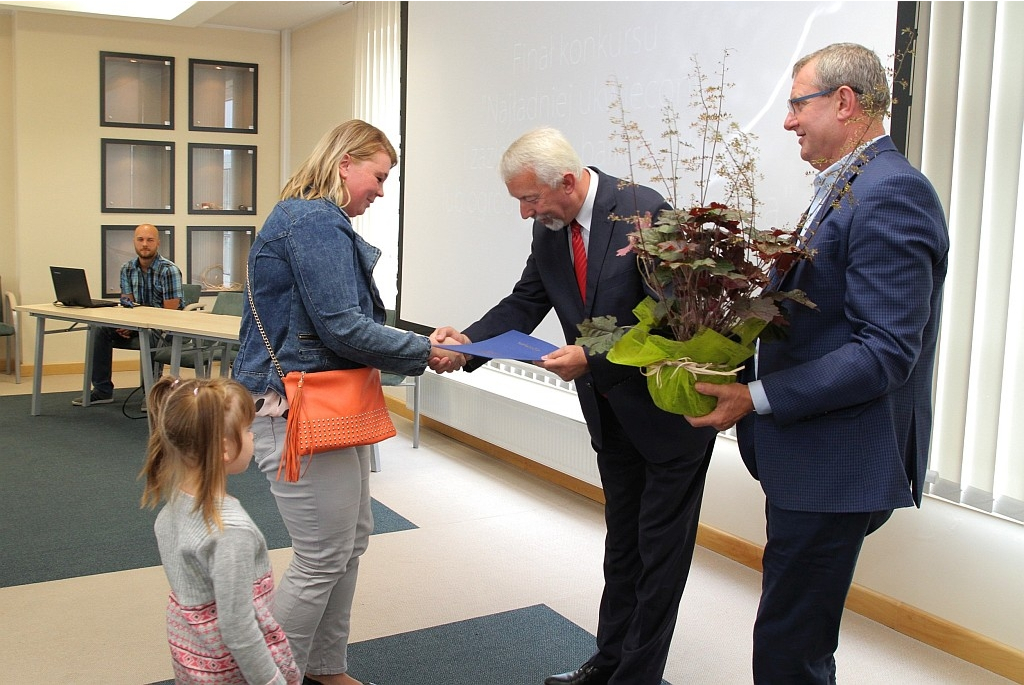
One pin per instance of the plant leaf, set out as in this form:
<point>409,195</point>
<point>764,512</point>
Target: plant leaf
<point>598,334</point>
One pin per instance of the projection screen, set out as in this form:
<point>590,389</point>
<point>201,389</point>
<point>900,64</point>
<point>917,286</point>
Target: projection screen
<point>480,74</point>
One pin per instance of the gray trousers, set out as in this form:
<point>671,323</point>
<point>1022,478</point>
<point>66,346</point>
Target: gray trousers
<point>327,513</point>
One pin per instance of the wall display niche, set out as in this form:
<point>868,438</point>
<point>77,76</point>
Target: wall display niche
<point>118,246</point>
<point>221,179</point>
<point>217,256</point>
<point>222,96</point>
<point>136,91</point>
<point>137,176</point>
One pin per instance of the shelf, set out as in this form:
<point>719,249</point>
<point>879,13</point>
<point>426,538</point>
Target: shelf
<point>118,246</point>
<point>137,176</point>
<point>221,179</point>
<point>222,96</point>
<point>218,255</point>
<point>136,91</point>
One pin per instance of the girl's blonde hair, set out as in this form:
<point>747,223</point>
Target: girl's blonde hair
<point>191,422</point>
<point>318,176</point>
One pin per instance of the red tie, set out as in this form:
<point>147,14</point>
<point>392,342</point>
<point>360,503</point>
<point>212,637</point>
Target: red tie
<point>579,258</point>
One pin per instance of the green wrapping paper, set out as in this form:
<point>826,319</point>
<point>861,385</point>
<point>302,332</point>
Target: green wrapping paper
<point>673,367</point>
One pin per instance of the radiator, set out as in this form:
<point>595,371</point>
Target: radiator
<point>518,407</point>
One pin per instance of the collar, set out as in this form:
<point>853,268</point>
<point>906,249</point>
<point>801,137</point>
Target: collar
<point>827,177</point>
<point>586,214</point>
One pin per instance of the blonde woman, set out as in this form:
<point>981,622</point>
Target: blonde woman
<point>311,281</point>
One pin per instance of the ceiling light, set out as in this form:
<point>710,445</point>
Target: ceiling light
<point>153,9</point>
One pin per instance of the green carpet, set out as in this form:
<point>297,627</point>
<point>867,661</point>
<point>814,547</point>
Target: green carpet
<point>69,494</point>
<point>518,647</point>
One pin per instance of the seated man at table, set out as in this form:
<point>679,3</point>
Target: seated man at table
<point>149,280</point>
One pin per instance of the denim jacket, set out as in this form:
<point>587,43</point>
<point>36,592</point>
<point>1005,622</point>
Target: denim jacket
<point>312,284</point>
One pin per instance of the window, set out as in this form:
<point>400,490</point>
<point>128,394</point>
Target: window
<point>971,151</point>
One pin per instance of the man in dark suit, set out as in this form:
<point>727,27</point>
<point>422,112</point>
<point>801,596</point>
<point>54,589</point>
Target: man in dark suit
<point>837,422</point>
<point>652,463</point>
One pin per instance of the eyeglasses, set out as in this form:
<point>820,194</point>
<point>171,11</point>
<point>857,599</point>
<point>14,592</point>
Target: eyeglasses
<point>793,102</point>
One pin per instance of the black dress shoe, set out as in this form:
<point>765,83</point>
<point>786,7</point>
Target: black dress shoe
<point>586,674</point>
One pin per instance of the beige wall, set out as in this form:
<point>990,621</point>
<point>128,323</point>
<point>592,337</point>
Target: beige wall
<point>323,70</point>
<point>57,215</point>
<point>8,247</point>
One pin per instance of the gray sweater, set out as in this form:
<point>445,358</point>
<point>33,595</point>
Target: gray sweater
<point>221,567</point>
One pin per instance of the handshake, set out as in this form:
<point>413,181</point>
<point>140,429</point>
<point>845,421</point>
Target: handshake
<point>446,361</point>
<point>568,363</point>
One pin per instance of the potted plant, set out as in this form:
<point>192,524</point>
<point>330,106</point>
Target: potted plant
<point>712,273</point>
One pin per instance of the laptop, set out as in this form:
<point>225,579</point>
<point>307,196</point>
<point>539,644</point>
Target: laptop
<point>72,289</point>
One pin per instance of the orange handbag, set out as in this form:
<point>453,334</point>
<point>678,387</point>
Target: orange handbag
<point>327,410</point>
<point>332,410</point>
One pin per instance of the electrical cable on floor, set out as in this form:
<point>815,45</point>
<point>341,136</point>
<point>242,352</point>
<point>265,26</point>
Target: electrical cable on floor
<point>142,410</point>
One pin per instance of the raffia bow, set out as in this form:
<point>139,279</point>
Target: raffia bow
<point>695,368</point>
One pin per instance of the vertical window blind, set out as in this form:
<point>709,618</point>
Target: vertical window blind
<point>971,150</point>
<point>378,102</point>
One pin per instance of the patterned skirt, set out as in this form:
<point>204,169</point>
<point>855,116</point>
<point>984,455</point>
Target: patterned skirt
<point>198,652</point>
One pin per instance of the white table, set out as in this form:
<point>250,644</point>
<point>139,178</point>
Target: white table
<point>174,323</point>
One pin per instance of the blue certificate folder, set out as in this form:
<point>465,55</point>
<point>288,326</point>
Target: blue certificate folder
<point>511,345</point>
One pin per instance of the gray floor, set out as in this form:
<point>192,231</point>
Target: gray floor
<point>489,539</point>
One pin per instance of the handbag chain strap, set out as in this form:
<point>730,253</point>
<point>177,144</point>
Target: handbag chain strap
<point>259,325</point>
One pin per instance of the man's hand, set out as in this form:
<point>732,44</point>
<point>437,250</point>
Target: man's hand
<point>446,361</point>
<point>733,404</point>
<point>441,336</point>
<point>569,362</point>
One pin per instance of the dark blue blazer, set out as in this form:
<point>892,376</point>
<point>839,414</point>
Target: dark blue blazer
<point>851,386</point>
<point>614,287</point>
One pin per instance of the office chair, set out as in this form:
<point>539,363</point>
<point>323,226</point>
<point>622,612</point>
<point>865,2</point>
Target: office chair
<point>9,331</point>
<point>230,304</point>
<point>192,355</point>
<point>199,354</point>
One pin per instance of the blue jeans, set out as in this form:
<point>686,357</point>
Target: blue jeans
<point>104,342</point>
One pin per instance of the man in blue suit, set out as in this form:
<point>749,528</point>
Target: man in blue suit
<point>652,463</point>
<point>837,421</point>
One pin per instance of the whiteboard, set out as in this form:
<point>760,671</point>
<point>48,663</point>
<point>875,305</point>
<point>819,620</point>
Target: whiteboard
<point>480,74</point>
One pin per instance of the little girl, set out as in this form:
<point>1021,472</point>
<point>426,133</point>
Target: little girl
<point>219,620</point>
